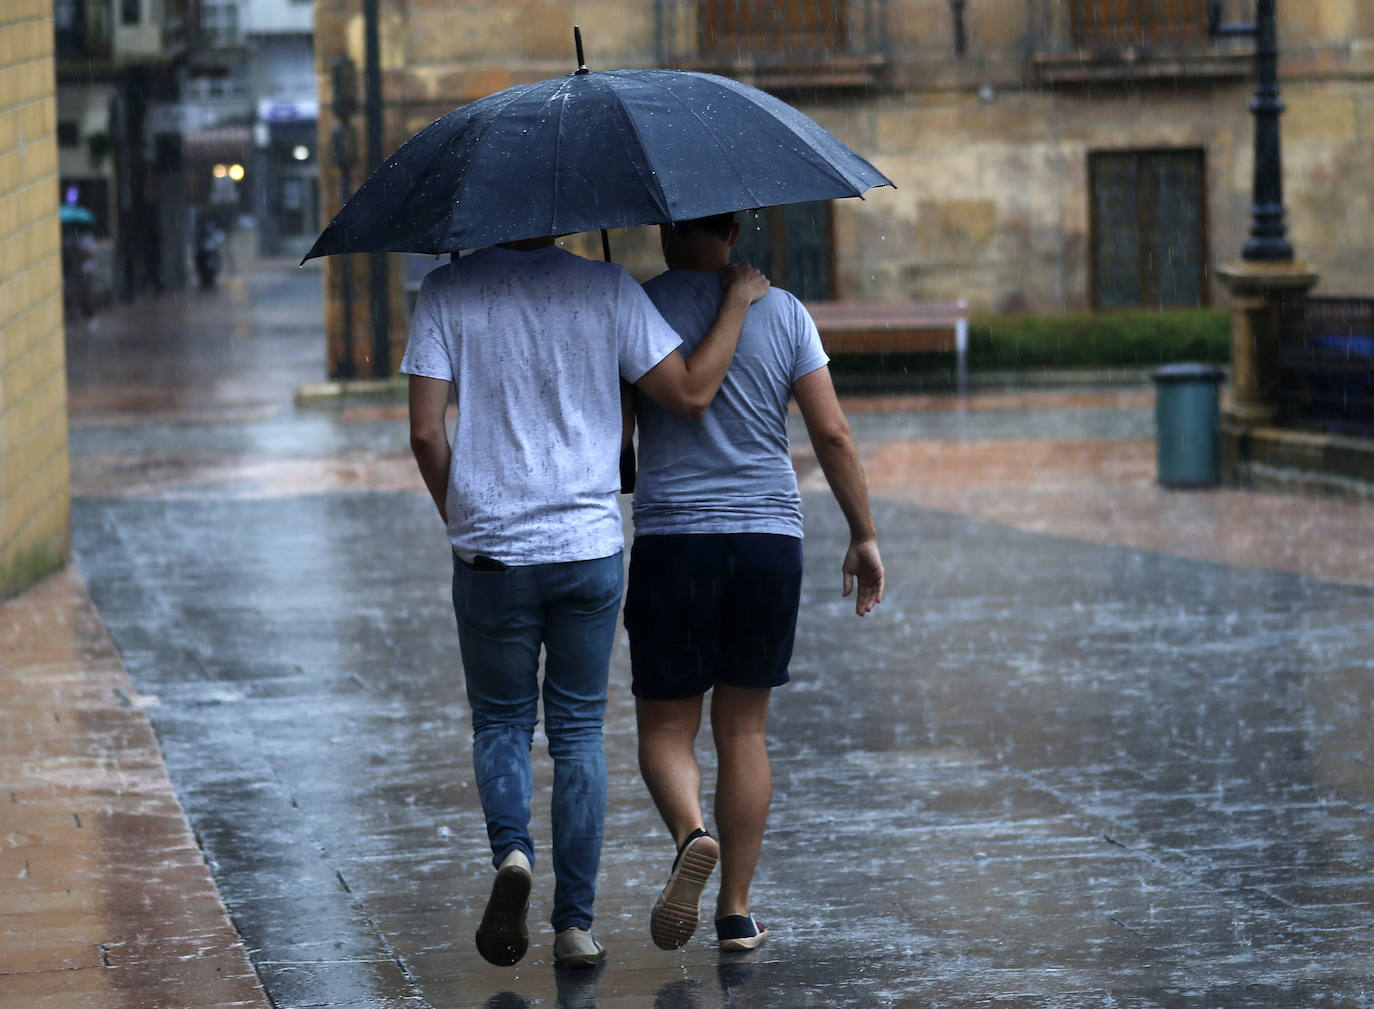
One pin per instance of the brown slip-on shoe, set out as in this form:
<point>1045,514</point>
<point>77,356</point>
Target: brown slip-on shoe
<point>576,949</point>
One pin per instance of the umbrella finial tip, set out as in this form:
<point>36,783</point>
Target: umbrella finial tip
<point>577,41</point>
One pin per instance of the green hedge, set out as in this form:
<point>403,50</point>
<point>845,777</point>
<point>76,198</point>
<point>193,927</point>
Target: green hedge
<point>1137,339</point>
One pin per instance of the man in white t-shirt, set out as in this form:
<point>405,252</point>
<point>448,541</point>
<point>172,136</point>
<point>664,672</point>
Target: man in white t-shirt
<point>715,573</point>
<point>536,341</point>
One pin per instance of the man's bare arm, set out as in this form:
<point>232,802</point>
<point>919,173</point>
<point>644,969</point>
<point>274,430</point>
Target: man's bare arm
<point>839,458</point>
<point>686,387</point>
<point>429,437</point>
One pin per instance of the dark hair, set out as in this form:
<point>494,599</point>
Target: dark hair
<point>717,224</point>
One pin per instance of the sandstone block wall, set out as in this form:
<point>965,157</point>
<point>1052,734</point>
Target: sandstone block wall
<point>35,510</point>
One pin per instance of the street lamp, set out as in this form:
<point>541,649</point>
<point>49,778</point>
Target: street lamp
<point>1266,282</point>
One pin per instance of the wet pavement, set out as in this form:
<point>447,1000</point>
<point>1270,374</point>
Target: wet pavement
<point>1103,744</point>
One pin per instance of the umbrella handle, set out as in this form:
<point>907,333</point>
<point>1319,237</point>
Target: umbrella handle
<point>627,454</point>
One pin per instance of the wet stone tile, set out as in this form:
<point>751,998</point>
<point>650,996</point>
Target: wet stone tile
<point>1047,773</point>
<point>329,983</point>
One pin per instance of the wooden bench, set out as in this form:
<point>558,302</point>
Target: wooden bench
<point>895,327</point>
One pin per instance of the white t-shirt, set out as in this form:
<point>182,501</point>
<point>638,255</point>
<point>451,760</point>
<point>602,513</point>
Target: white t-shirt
<point>731,472</point>
<point>535,344</point>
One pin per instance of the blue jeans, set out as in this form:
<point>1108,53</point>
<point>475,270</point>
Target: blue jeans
<point>503,619</point>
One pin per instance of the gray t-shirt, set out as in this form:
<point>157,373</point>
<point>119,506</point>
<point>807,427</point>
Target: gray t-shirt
<point>535,344</point>
<point>730,472</point>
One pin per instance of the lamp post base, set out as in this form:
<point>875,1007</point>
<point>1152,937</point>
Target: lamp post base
<point>1259,292</point>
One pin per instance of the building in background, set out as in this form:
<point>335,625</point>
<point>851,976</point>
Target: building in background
<point>282,78</point>
<point>250,109</point>
<point>1051,155</point>
<point>170,110</point>
<point>217,114</point>
<point>119,134</point>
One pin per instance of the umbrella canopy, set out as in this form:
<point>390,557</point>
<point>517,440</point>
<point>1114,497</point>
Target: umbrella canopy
<point>69,214</point>
<point>595,149</point>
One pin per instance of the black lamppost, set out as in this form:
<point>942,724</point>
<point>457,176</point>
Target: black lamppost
<point>1266,281</point>
<point>1267,242</point>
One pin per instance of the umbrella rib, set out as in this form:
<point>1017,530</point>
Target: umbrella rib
<point>492,205</point>
<point>476,141</point>
<point>856,181</point>
<point>830,168</point>
<point>557,156</point>
<point>444,150</point>
<point>654,184</point>
<point>725,151</point>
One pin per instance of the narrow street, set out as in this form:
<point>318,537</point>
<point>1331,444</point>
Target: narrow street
<point>1102,745</point>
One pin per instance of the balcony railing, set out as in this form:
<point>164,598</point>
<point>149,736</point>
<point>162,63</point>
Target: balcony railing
<point>1087,41</point>
<point>1326,365</point>
<point>777,44</point>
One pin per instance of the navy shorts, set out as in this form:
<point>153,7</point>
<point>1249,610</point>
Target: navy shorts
<point>711,608</point>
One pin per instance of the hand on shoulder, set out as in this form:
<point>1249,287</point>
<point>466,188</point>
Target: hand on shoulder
<point>744,280</point>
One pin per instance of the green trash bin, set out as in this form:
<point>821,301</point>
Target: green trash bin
<point>1186,419</point>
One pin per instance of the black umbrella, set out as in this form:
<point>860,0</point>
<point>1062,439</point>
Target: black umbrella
<point>593,150</point>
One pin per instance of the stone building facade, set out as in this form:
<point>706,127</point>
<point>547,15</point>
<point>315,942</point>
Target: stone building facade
<point>1050,155</point>
<point>35,507</point>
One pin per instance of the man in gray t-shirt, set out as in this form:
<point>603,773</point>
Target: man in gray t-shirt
<point>715,572</point>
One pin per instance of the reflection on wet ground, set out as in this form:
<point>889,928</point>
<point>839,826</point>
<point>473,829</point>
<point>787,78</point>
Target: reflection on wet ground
<point>1102,745</point>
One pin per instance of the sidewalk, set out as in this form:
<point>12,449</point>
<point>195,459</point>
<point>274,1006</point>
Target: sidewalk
<point>1104,744</point>
<point>107,900</point>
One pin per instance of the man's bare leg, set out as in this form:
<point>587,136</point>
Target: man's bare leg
<point>668,761</point>
<point>744,788</point>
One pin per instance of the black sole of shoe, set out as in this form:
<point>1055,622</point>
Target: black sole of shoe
<point>502,937</point>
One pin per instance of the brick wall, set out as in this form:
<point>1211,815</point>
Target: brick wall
<point>35,506</point>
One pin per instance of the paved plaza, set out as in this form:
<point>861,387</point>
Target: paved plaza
<point>1103,744</point>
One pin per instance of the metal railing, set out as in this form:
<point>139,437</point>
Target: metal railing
<point>765,33</point>
<point>1326,365</point>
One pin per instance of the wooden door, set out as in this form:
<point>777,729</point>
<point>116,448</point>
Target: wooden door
<point>1149,240</point>
<point>793,245</point>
